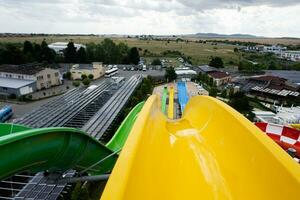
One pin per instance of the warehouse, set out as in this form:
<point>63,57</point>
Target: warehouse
<point>16,87</point>
<point>43,76</point>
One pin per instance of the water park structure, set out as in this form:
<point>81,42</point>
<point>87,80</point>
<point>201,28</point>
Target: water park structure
<point>210,152</point>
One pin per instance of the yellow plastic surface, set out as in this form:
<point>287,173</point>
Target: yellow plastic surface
<point>213,152</point>
<point>297,126</point>
<point>171,103</point>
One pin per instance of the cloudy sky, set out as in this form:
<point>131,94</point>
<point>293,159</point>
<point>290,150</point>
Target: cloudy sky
<point>274,18</point>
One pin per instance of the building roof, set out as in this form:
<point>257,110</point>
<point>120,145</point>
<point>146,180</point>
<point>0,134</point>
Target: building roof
<point>275,82</point>
<point>218,74</point>
<point>14,83</point>
<point>207,68</point>
<point>185,72</point>
<point>27,69</point>
<point>269,78</point>
<point>83,66</point>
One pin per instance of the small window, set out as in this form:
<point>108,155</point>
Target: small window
<point>48,75</point>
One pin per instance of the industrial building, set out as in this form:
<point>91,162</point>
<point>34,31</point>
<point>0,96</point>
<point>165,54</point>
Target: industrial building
<point>96,69</point>
<point>186,74</point>
<point>220,78</point>
<point>16,87</point>
<point>24,79</point>
<point>59,47</point>
<point>291,55</point>
<point>271,89</point>
<point>283,116</point>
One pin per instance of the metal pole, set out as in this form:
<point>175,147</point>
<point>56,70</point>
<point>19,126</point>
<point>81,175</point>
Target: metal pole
<point>81,179</point>
<point>100,161</point>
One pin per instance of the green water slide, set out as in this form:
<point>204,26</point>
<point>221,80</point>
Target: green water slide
<point>119,139</point>
<point>59,149</point>
<point>164,100</point>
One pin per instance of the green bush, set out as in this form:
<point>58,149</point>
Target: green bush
<point>86,82</point>
<point>76,83</point>
<point>156,62</point>
<point>83,76</point>
<point>91,76</point>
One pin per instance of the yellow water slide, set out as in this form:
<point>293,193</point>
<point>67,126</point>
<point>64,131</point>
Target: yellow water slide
<point>213,152</point>
<point>171,103</point>
<point>297,126</point>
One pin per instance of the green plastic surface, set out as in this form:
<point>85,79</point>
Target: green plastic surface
<point>120,137</point>
<point>164,100</point>
<point>59,149</point>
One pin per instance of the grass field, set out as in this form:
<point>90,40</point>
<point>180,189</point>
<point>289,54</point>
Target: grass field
<point>199,52</point>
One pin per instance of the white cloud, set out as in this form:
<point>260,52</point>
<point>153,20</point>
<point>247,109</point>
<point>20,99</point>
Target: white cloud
<point>260,17</point>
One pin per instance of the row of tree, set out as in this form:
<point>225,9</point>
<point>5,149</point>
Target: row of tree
<point>107,52</point>
<point>12,53</point>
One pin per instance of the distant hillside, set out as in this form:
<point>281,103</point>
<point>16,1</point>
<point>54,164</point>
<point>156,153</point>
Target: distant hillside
<point>216,35</point>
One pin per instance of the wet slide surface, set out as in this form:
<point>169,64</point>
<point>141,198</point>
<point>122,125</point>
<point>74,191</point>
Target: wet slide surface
<point>171,103</point>
<point>59,149</point>
<point>164,100</point>
<point>213,152</point>
<point>182,95</point>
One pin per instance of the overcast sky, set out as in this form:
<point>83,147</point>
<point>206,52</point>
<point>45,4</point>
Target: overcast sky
<point>274,18</point>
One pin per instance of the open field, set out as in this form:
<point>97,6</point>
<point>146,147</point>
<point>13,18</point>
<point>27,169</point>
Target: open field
<point>199,52</point>
<point>271,41</point>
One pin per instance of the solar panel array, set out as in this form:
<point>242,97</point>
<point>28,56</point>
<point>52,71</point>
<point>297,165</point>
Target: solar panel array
<point>275,92</point>
<point>98,125</point>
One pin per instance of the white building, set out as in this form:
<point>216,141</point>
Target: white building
<point>291,55</point>
<point>284,116</point>
<point>59,47</point>
<point>274,49</point>
<point>185,74</point>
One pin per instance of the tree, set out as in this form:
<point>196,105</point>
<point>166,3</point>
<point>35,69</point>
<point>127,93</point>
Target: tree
<point>133,56</point>
<point>170,74</point>
<point>70,53</point>
<point>46,53</point>
<point>272,66</point>
<point>27,47</point>
<point>91,76</point>
<point>86,82</point>
<point>224,94</point>
<point>81,55</point>
<point>76,83</point>
<point>83,76</point>
<point>156,62</point>
<point>240,102</point>
<point>13,55</point>
<point>213,92</point>
<point>68,75</point>
<point>236,50</point>
<point>216,62</point>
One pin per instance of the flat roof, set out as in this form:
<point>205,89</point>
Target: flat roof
<point>14,83</point>
<point>186,72</point>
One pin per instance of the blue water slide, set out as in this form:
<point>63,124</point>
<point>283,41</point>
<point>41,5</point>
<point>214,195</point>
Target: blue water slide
<point>182,95</point>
